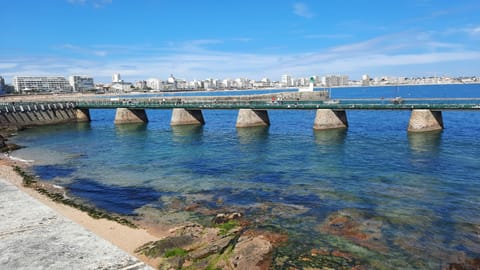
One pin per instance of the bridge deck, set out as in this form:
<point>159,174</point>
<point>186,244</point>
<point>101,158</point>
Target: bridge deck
<point>202,104</point>
<point>371,104</point>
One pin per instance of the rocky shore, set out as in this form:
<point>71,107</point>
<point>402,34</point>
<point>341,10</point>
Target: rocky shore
<point>226,244</point>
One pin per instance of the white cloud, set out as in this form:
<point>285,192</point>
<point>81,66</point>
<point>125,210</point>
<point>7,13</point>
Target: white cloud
<point>7,65</point>
<point>197,59</point>
<point>93,3</point>
<point>190,65</point>
<point>80,2</point>
<point>101,3</point>
<point>328,36</point>
<point>302,10</point>
<point>82,50</point>
<point>473,31</point>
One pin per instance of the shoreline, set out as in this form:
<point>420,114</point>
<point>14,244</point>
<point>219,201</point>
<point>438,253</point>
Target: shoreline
<point>126,238</point>
<point>157,245</point>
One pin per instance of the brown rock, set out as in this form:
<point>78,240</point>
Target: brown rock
<point>341,254</point>
<point>210,248</point>
<point>192,207</point>
<point>251,253</point>
<point>276,239</point>
<point>226,217</point>
<point>356,227</point>
<point>470,264</point>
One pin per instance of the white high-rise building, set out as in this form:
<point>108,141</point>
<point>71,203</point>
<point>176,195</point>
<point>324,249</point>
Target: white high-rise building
<point>335,80</point>
<point>365,80</point>
<point>41,84</point>
<point>227,83</point>
<point>155,84</point>
<point>241,83</point>
<point>287,81</point>
<point>81,83</point>
<point>116,78</point>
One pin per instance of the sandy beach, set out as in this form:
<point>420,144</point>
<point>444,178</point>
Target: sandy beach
<point>124,237</point>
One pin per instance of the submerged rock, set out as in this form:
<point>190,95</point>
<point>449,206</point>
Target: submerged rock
<point>226,217</point>
<point>7,147</point>
<point>357,227</point>
<point>470,264</point>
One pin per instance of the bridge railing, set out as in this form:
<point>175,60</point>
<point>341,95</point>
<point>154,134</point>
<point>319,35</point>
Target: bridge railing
<point>252,104</point>
<point>187,104</point>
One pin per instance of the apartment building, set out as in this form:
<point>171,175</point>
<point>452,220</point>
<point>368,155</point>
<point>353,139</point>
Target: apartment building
<point>81,83</point>
<point>26,84</point>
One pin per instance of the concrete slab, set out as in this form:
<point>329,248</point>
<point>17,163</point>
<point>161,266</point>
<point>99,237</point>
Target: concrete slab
<point>33,236</point>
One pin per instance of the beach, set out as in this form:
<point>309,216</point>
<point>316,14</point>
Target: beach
<point>124,237</point>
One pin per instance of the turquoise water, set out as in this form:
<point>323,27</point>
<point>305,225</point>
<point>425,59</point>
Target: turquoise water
<point>387,198</point>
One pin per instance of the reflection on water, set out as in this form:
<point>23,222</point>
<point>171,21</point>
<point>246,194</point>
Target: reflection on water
<point>425,142</point>
<point>83,126</point>
<point>187,133</point>
<point>130,129</point>
<point>330,137</point>
<point>252,134</point>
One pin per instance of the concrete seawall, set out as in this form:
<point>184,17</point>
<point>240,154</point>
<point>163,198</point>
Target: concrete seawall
<point>21,115</point>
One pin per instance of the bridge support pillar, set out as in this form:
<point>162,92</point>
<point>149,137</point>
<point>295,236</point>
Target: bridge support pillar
<point>126,116</point>
<point>182,117</point>
<point>252,118</point>
<point>82,115</point>
<point>330,119</point>
<point>425,120</point>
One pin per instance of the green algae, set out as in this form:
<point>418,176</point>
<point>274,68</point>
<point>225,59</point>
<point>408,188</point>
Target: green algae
<point>160,248</point>
<point>27,179</point>
<point>175,252</point>
<point>226,227</point>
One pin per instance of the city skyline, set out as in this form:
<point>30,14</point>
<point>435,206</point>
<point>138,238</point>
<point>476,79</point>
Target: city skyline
<point>196,40</point>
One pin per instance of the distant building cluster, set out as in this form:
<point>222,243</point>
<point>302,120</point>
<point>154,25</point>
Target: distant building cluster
<point>77,83</point>
<point>379,81</point>
<point>173,83</point>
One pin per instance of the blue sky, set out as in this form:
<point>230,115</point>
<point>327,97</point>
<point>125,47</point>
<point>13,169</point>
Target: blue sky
<point>199,39</point>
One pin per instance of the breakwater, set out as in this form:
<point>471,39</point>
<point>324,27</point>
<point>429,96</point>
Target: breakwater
<point>47,113</point>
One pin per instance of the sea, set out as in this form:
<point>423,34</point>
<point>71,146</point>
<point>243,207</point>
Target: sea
<point>372,195</point>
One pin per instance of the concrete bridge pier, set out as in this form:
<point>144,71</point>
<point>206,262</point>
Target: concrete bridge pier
<point>330,119</point>
<point>126,116</point>
<point>182,117</point>
<point>82,115</point>
<point>252,118</point>
<point>425,120</point>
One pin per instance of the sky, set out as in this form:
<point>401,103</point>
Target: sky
<point>200,39</point>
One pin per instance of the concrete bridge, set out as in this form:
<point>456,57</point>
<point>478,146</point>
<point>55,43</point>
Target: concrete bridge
<point>426,114</point>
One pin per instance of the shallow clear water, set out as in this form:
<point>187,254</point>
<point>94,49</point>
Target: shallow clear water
<point>411,200</point>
